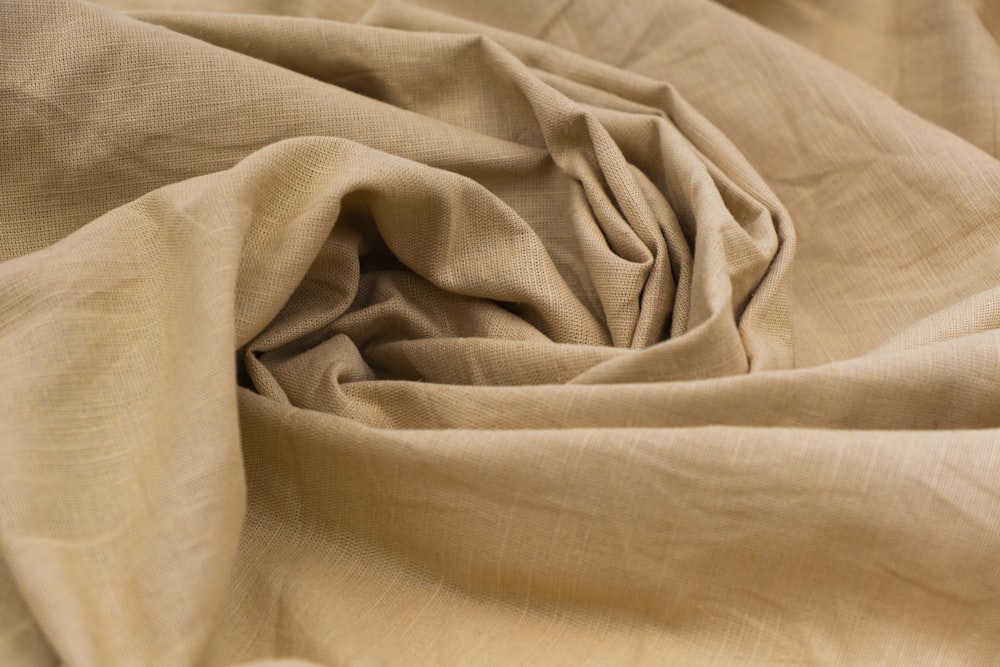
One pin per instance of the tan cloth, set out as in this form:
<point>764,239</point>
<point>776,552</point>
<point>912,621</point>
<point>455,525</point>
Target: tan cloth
<point>500,333</point>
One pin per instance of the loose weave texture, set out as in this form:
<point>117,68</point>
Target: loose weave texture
<point>654,332</point>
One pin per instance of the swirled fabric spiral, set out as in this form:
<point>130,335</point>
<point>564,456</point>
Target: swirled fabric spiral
<point>442,332</point>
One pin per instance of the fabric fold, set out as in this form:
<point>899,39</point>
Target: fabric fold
<point>440,332</point>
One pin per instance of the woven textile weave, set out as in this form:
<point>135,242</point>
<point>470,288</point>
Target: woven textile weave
<point>446,332</point>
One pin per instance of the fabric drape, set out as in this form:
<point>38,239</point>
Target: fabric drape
<point>452,333</point>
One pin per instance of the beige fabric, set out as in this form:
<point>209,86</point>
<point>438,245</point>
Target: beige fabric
<point>507,333</point>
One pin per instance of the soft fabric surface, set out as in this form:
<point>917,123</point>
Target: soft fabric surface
<point>648,332</point>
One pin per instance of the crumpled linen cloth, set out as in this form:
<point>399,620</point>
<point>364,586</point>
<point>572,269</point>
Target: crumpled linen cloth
<point>510,333</point>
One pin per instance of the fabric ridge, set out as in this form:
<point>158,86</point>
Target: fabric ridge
<point>436,332</point>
